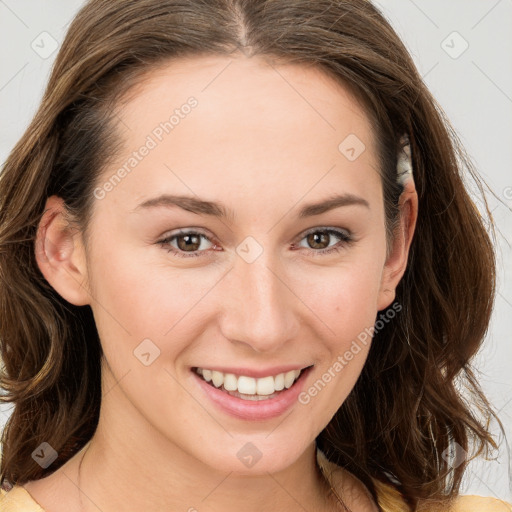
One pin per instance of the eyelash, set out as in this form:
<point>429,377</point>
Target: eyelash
<point>346,240</point>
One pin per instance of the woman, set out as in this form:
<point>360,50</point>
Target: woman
<point>237,249</point>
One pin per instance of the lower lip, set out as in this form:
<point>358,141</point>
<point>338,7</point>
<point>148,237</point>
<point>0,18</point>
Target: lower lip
<point>253,410</point>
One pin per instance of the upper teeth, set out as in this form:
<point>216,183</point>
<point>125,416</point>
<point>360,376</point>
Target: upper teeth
<point>250,385</point>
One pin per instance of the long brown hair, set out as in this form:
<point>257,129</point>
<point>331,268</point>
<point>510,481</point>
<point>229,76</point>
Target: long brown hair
<point>405,409</point>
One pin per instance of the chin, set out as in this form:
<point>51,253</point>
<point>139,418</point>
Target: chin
<point>257,454</point>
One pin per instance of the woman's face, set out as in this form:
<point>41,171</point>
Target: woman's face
<point>245,235</point>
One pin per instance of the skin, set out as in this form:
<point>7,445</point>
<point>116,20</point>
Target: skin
<point>263,140</point>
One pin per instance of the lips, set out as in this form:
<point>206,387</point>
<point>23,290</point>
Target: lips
<point>261,399</point>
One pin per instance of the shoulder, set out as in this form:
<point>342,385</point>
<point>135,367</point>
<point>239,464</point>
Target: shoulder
<point>480,504</point>
<point>18,500</point>
<point>466,504</point>
<point>391,500</point>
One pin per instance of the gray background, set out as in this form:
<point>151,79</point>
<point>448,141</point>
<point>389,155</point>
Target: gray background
<point>463,49</point>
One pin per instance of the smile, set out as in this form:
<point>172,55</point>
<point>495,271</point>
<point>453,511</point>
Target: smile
<point>249,388</point>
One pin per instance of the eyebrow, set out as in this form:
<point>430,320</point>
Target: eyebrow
<point>203,207</point>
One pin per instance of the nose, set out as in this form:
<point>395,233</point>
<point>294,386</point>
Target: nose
<point>259,308</point>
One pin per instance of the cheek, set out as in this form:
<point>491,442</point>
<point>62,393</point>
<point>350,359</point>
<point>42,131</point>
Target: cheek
<point>345,298</point>
<point>138,298</point>
<point>146,316</point>
<point>126,303</point>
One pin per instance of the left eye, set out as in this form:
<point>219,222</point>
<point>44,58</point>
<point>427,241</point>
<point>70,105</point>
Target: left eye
<point>319,237</point>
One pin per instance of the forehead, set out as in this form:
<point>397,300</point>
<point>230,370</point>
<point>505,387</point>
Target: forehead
<point>242,126</point>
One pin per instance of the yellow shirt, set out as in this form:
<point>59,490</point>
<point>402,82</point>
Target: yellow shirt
<point>390,500</point>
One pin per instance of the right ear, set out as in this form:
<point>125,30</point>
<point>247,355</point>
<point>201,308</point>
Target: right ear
<point>60,253</point>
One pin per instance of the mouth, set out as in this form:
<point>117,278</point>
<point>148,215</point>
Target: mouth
<point>251,388</point>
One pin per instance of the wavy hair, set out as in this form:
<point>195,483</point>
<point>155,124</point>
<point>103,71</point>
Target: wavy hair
<point>406,408</point>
